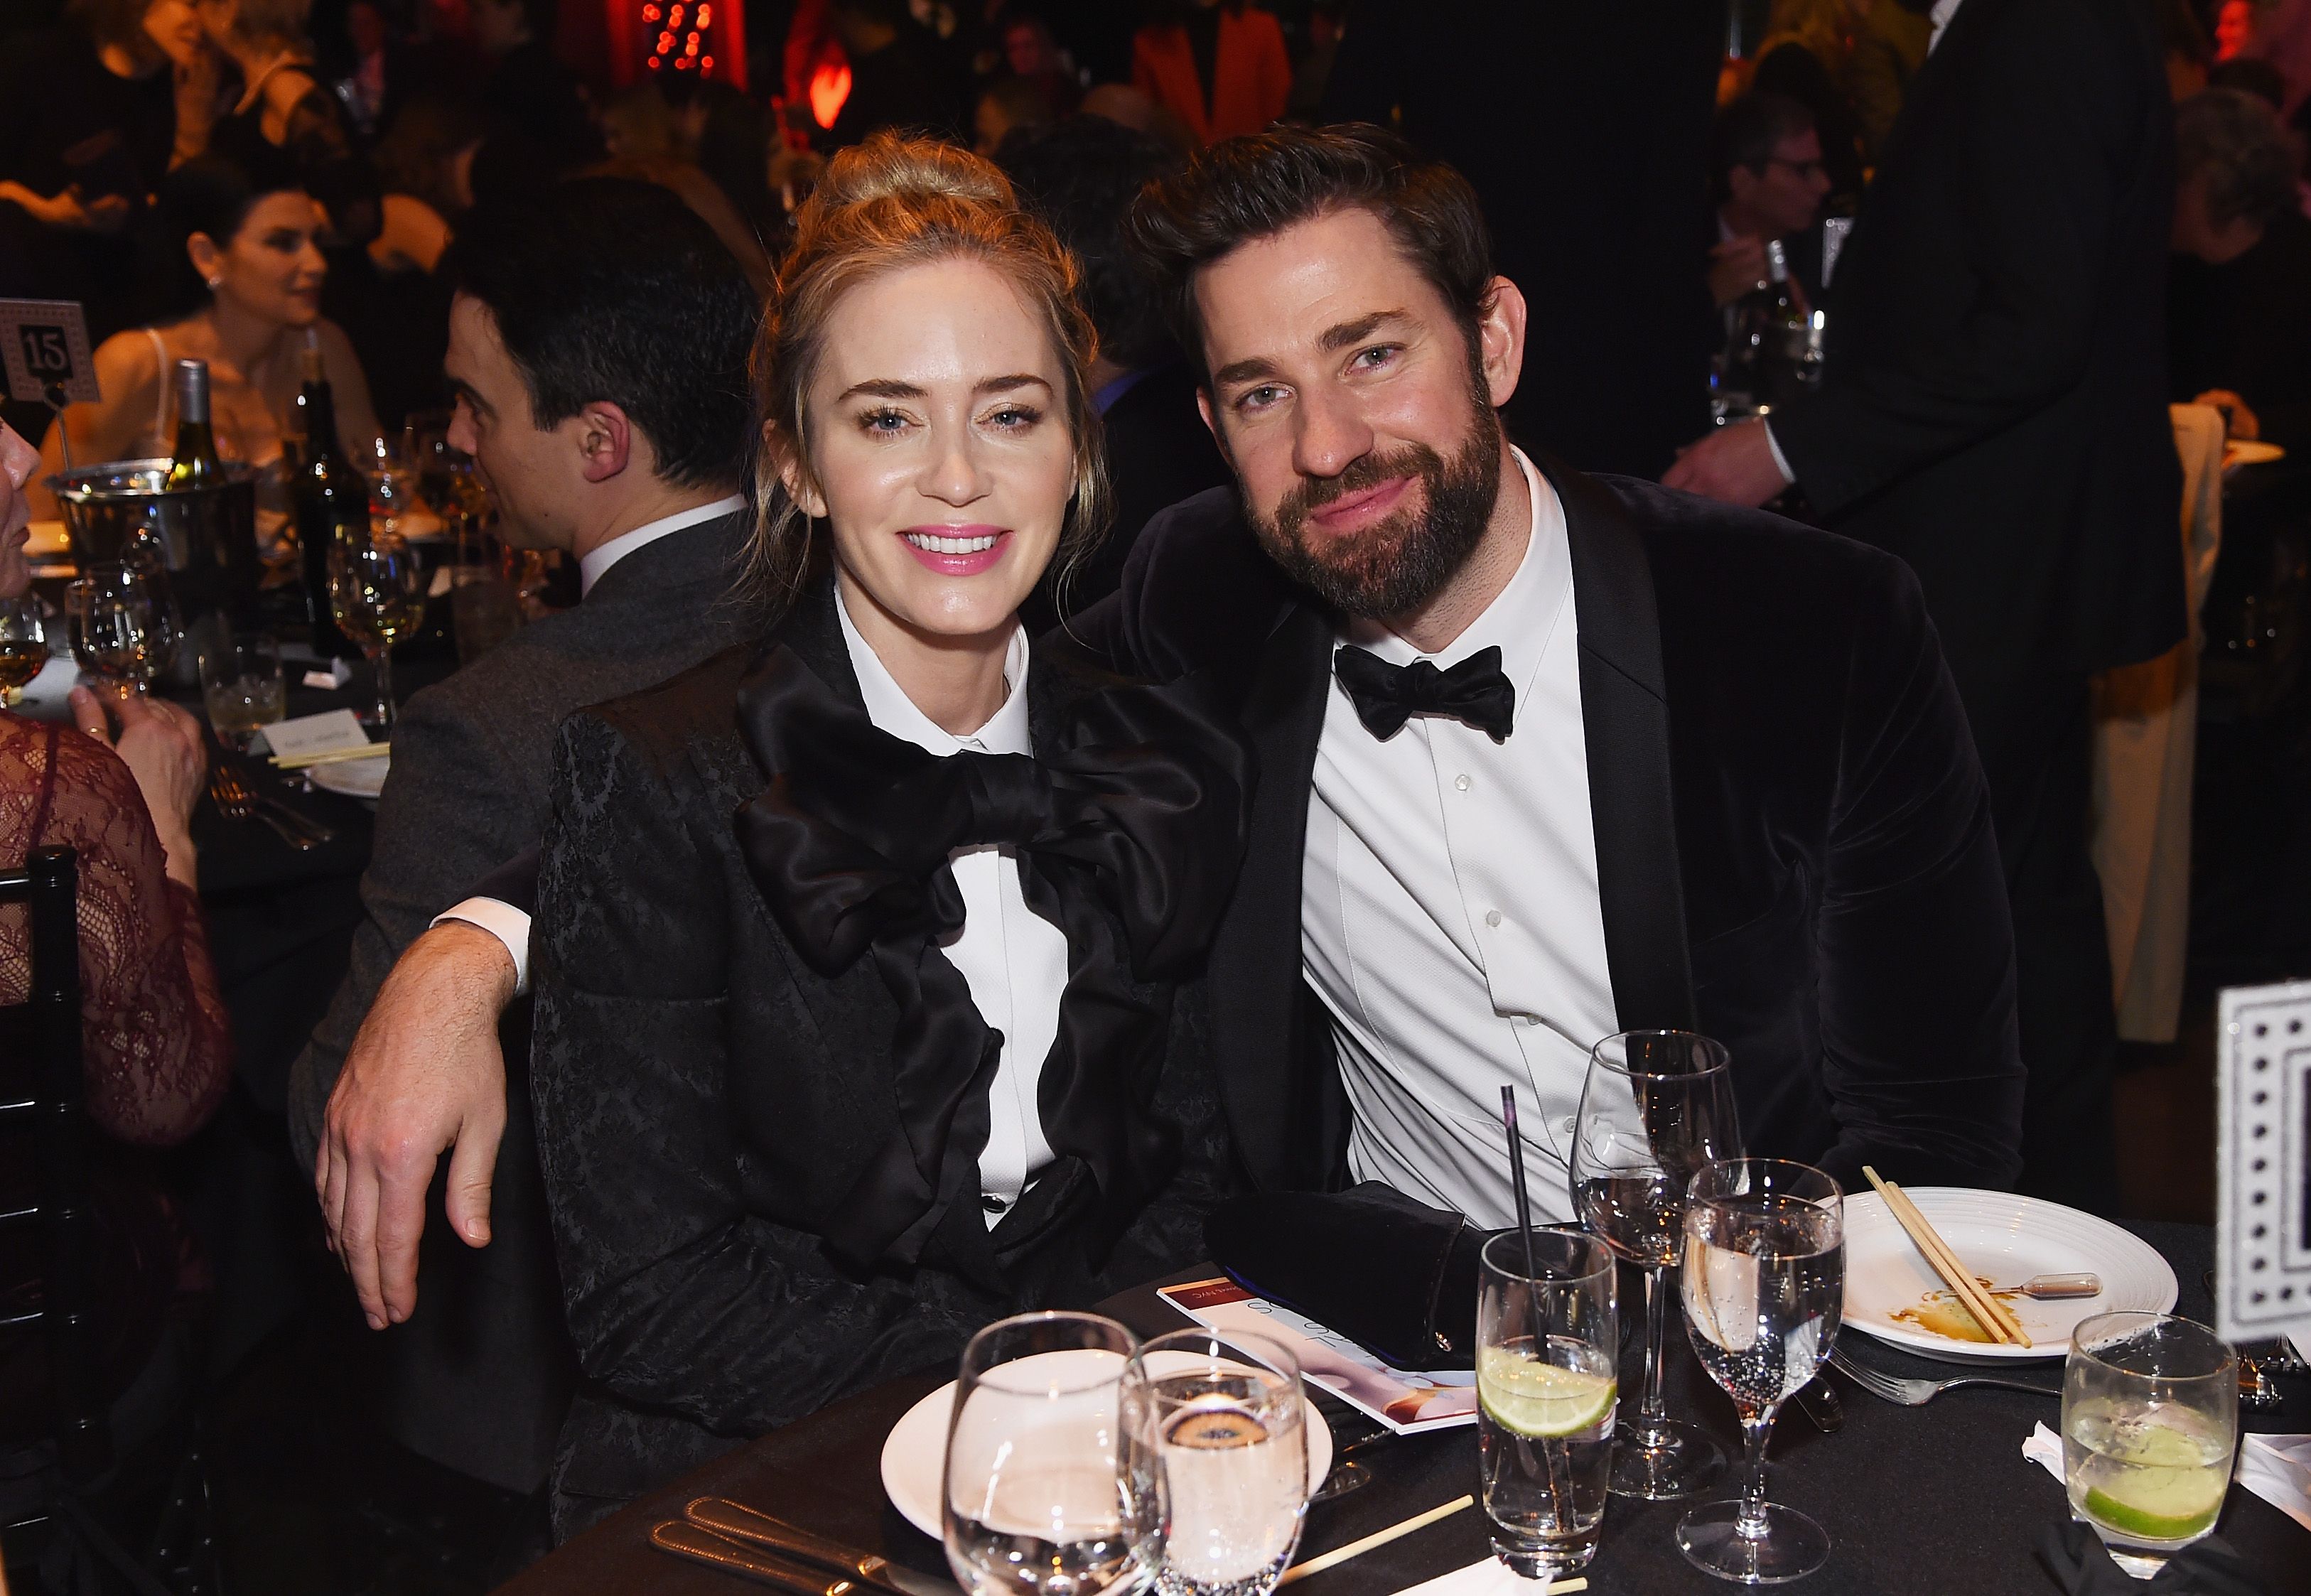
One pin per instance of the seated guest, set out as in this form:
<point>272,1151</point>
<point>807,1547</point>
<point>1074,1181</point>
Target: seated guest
<point>284,107</point>
<point>1007,106</point>
<point>1080,179</point>
<point>2240,322</point>
<point>251,276</point>
<point>1803,57</point>
<point>865,950</point>
<point>1687,766</point>
<point>1219,65</point>
<point>1765,165</point>
<point>597,352</point>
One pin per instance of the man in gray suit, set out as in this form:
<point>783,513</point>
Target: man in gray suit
<point>598,351</point>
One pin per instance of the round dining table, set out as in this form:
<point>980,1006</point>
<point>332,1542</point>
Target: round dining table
<point>1934,1499</point>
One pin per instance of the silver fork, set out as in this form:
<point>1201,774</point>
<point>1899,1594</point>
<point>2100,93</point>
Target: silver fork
<point>235,798</point>
<point>1909,1392</point>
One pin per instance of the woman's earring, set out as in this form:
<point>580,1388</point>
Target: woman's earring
<point>217,281</point>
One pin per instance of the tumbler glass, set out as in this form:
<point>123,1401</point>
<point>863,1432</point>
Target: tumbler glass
<point>2149,1424</point>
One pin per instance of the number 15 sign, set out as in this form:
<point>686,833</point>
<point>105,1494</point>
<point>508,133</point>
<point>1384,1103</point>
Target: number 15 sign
<point>44,344</point>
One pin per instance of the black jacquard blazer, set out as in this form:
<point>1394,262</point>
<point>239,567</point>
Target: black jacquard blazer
<point>707,1101</point>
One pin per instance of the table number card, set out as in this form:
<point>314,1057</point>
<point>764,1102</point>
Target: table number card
<point>44,345</point>
<point>2263,1232</point>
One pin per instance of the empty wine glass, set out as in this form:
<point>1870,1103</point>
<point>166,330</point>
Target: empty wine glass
<point>377,594</point>
<point>23,645</point>
<point>1227,1424</point>
<point>1049,1489</point>
<point>1765,1287</point>
<point>109,616</point>
<point>1657,1105</point>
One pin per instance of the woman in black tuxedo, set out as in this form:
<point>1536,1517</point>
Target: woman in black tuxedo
<point>865,952</point>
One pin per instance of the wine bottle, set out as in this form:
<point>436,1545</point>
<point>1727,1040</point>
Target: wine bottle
<point>329,495</point>
<point>195,453</point>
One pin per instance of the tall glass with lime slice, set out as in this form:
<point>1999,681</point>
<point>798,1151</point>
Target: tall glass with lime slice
<point>2150,1424</point>
<point>1547,1344</point>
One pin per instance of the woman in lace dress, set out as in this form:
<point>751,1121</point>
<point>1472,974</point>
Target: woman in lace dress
<point>154,1042</point>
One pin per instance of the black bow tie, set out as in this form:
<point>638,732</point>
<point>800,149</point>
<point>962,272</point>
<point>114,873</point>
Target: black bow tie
<point>1388,695</point>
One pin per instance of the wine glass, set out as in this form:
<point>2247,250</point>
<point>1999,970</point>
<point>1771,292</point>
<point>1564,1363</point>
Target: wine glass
<point>109,616</point>
<point>2149,1424</point>
<point>1657,1105</point>
<point>1765,1286</point>
<point>1227,1424</point>
<point>376,593</point>
<point>1547,1341</point>
<point>1049,1489</point>
<point>23,645</point>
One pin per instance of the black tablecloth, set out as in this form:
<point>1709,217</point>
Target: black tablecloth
<point>1928,1500</point>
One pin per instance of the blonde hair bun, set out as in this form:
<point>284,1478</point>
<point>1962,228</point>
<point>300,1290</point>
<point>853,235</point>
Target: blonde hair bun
<point>890,166</point>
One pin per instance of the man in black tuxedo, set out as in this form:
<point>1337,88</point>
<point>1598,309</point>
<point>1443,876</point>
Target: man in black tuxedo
<point>1993,410</point>
<point>1543,756</point>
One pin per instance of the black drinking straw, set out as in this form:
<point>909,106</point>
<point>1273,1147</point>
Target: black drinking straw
<point>1516,1173</point>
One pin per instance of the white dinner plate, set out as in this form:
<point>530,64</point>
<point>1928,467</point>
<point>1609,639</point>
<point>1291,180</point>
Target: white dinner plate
<point>2251,451</point>
<point>355,778</point>
<point>2004,1239</point>
<point>914,1454</point>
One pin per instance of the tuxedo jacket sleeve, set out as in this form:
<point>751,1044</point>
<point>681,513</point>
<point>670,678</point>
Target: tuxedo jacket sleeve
<point>681,1300</point>
<point>1992,311</point>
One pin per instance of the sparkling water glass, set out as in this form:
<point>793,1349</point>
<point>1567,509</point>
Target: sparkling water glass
<point>1548,1340</point>
<point>1049,1490</point>
<point>2149,1424</point>
<point>1227,1424</point>
<point>1764,1291</point>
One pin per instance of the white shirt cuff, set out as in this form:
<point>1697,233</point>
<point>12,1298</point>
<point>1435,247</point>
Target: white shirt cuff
<point>503,921</point>
<point>1789,477</point>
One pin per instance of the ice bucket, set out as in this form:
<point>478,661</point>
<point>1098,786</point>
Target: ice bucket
<point>205,537</point>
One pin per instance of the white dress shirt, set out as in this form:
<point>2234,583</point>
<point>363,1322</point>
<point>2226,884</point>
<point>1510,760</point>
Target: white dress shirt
<point>591,566</point>
<point>1450,914</point>
<point>1014,960</point>
<point>1943,11</point>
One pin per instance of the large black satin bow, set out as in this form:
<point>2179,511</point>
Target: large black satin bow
<point>1388,695</point>
<point>1128,835</point>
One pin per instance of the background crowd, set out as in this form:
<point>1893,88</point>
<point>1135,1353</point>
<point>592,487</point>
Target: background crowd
<point>266,184</point>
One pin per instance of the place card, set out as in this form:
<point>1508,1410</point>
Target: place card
<point>324,733</point>
<point>2262,1173</point>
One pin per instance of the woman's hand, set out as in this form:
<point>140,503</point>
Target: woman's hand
<point>2238,420</point>
<point>161,744</point>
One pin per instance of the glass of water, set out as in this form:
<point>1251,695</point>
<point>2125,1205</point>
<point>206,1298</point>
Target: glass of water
<point>243,688</point>
<point>1548,1341</point>
<point>1764,1288</point>
<point>110,617</point>
<point>2150,1424</point>
<point>1228,1428</point>
<point>1049,1489</point>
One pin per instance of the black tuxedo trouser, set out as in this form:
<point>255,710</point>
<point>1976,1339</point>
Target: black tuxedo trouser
<point>2034,736</point>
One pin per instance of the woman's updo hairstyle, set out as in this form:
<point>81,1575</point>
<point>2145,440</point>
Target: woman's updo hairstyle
<point>884,206</point>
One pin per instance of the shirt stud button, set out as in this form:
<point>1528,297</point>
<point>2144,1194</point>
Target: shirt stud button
<point>1461,782</point>
<point>1492,917</point>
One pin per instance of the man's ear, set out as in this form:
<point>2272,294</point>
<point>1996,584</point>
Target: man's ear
<point>787,451</point>
<point>1500,339</point>
<point>605,440</point>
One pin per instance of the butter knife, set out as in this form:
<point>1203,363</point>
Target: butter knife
<point>729,1518</point>
<point>1819,1400</point>
<point>685,1539</point>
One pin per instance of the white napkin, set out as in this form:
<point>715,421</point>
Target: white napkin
<point>2042,1447</point>
<point>324,733</point>
<point>2277,1469</point>
<point>1491,1577</point>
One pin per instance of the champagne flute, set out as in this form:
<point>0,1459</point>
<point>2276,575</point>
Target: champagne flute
<point>1049,1489</point>
<point>1226,1423</point>
<point>377,594</point>
<point>1764,1288</point>
<point>108,614</point>
<point>1657,1105</point>
<point>23,646</point>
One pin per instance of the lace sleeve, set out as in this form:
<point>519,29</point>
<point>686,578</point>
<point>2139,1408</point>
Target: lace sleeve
<point>156,1041</point>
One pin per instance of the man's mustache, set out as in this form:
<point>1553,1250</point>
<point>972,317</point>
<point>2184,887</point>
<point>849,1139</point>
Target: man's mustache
<point>1415,459</point>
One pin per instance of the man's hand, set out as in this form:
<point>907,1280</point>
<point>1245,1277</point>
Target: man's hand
<point>424,1074</point>
<point>1736,266</point>
<point>2238,420</point>
<point>1734,463</point>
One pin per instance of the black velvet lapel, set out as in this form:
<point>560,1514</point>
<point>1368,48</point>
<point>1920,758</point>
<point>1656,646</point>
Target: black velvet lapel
<point>1624,724</point>
<point>1255,963</point>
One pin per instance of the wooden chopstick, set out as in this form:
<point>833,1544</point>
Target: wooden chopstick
<point>1357,1548</point>
<point>1988,1311</point>
<point>298,762</point>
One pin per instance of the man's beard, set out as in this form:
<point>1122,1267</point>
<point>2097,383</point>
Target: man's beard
<point>1396,566</point>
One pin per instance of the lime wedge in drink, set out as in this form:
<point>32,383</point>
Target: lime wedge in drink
<point>2164,1489</point>
<point>1538,1400</point>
